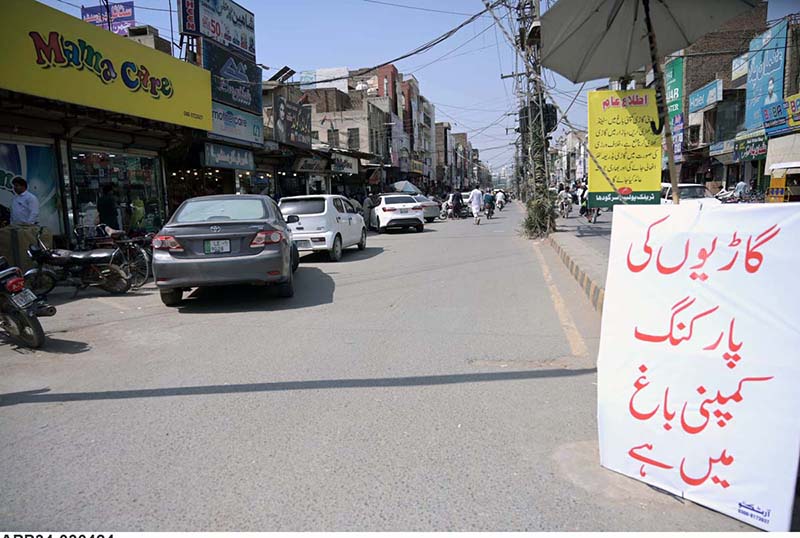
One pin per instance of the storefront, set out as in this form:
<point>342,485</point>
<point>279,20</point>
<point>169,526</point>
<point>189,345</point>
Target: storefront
<point>751,154</point>
<point>783,162</point>
<point>79,130</point>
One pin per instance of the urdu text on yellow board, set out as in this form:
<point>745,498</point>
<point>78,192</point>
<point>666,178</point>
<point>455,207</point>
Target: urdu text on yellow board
<point>622,141</point>
<point>50,54</point>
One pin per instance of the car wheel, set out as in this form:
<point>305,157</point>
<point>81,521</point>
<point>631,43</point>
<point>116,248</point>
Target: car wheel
<point>285,290</point>
<point>335,254</point>
<point>295,258</point>
<point>172,297</point>
<point>429,219</point>
<point>420,228</point>
<point>363,243</point>
<point>381,229</point>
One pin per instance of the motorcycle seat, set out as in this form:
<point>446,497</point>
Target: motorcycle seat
<point>100,255</point>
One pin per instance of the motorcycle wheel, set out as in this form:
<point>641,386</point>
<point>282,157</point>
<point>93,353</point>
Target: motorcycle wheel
<point>24,329</point>
<point>40,283</point>
<point>116,282</point>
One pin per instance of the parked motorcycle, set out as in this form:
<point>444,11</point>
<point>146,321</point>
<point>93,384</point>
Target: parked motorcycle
<point>78,269</point>
<point>20,308</point>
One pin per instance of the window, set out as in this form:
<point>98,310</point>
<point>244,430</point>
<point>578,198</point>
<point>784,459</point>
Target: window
<point>303,206</point>
<point>392,200</point>
<point>337,203</point>
<point>333,137</point>
<point>220,210</point>
<point>314,135</point>
<point>353,140</point>
<point>349,207</point>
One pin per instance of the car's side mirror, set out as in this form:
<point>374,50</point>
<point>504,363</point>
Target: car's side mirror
<point>291,219</point>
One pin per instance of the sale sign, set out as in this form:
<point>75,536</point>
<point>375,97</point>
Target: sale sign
<point>698,363</point>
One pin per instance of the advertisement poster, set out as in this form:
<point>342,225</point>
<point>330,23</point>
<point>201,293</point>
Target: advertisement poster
<point>291,122</point>
<point>224,21</point>
<point>673,76</point>
<point>36,165</point>
<point>234,80</point>
<point>705,96</point>
<point>696,387</point>
<point>42,55</point>
<point>122,16</point>
<point>623,143</point>
<point>231,123</point>
<point>765,73</point>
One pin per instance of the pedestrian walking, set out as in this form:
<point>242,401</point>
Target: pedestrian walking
<point>25,205</point>
<point>476,202</point>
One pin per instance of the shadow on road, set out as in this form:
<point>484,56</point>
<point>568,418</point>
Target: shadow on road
<point>51,345</point>
<point>349,255</point>
<point>312,287</point>
<point>592,231</point>
<point>63,294</point>
<point>43,395</point>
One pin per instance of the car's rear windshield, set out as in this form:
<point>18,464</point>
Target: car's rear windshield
<point>303,206</point>
<point>391,200</point>
<point>220,209</point>
<point>692,192</point>
<point>421,199</point>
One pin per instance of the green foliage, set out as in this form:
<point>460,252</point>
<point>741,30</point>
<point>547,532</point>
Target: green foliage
<point>540,220</point>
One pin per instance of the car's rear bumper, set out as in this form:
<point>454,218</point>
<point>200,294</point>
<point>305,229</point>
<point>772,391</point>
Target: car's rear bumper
<point>404,221</point>
<point>304,243</point>
<point>266,267</point>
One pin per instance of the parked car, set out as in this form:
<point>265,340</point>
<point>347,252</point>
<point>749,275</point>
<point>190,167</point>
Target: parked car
<point>221,240</point>
<point>692,193</point>
<point>398,211</point>
<point>430,209</point>
<point>327,222</point>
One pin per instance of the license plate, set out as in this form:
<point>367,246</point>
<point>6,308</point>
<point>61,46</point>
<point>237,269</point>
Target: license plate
<point>303,243</point>
<point>404,211</point>
<point>217,246</point>
<point>23,298</point>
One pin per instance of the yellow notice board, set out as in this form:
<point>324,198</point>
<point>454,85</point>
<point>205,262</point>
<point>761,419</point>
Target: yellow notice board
<point>48,53</point>
<point>777,190</point>
<point>623,143</point>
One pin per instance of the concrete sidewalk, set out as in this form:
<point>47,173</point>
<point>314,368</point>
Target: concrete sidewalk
<point>583,247</point>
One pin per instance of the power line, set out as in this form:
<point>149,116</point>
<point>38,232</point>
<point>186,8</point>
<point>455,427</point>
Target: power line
<point>453,50</point>
<point>416,8</point>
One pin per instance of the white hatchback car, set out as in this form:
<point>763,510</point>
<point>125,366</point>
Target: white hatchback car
<point>398,211</point>
<point>327,222</point>
<point>692,193</point>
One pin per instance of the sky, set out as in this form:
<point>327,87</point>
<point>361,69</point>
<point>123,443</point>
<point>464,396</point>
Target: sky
<point>461,76</point>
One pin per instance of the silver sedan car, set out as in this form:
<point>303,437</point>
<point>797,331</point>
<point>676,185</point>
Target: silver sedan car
<point>220,240</point>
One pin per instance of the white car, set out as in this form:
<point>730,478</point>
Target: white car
<point>430,209</point>
<point>691,193</point>
<point>398,211</point>
<point>327,222</point>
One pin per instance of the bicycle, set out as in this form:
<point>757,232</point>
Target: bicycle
<point>129,254</point>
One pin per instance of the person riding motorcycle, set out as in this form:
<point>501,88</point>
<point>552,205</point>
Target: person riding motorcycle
<point>488,203</point>
<point>501,200</point>
<point>564,200</point>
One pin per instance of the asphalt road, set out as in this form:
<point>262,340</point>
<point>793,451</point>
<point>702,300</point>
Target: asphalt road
<point>436,381</point>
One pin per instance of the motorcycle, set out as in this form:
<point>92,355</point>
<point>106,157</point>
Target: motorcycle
<point>564,208</point>
<point>78,269</point>
<point>20,308</point>
<point>500,205</point>
<point>489,210</point>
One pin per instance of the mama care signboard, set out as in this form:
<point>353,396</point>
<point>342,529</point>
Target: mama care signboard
<point>49,54</point>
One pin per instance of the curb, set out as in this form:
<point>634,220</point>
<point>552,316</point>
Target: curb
<point>594,291</point>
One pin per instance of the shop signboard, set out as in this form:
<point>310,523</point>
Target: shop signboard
<point>673,74</point>
<point>291,122</point>
<point>235,81</point>
<point>233,124</point>
<point>224,21</point>
<point>750,149</point>
<point>793,111</point>
<point>36,164</point>
<point>316,78</point>
<point>775,119</point>
<point>721,148</point>
<point>765,73</point>
<point>50,54</point>
<point>344,164</point>
<point>417,167</point>
<point>221,156</point>
<point>310,164</point>
<point>739,66</point>
<point>705,96</point>
<point>695,395</point>
<point>776,193</point>
<point>677,137</point>
<point>623,143</point>
<point>122,16</point>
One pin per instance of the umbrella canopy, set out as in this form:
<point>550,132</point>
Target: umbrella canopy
<point>406,186</point>
<point>585,40</point>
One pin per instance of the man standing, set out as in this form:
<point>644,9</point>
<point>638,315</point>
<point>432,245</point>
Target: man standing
<point>741,189</point>
<point>476,202</point>
<point>25,206</point>
<point>107,208</point>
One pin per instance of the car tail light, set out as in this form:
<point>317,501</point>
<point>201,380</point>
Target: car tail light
<point>266,238</point>
<point>387,209</point>
<point>416,208</point>
<point>167,242</point>
<point>15,285</point>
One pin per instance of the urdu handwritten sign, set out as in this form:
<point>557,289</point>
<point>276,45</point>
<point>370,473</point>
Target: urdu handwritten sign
<point>623,143</point>
<point>697,386</point>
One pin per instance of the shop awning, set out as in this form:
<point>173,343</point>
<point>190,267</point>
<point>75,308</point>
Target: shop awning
<point>784,151</point>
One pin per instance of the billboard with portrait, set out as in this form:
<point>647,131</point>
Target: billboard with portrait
<point>291,122</point>
<point>765,73</point>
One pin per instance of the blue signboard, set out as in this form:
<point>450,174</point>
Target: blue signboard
<point>765,73</point>
<point>219,156</point>
<point>122,16</point>
<point>775,119</point>
<point>233,124</point>
<point>705,96</point>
